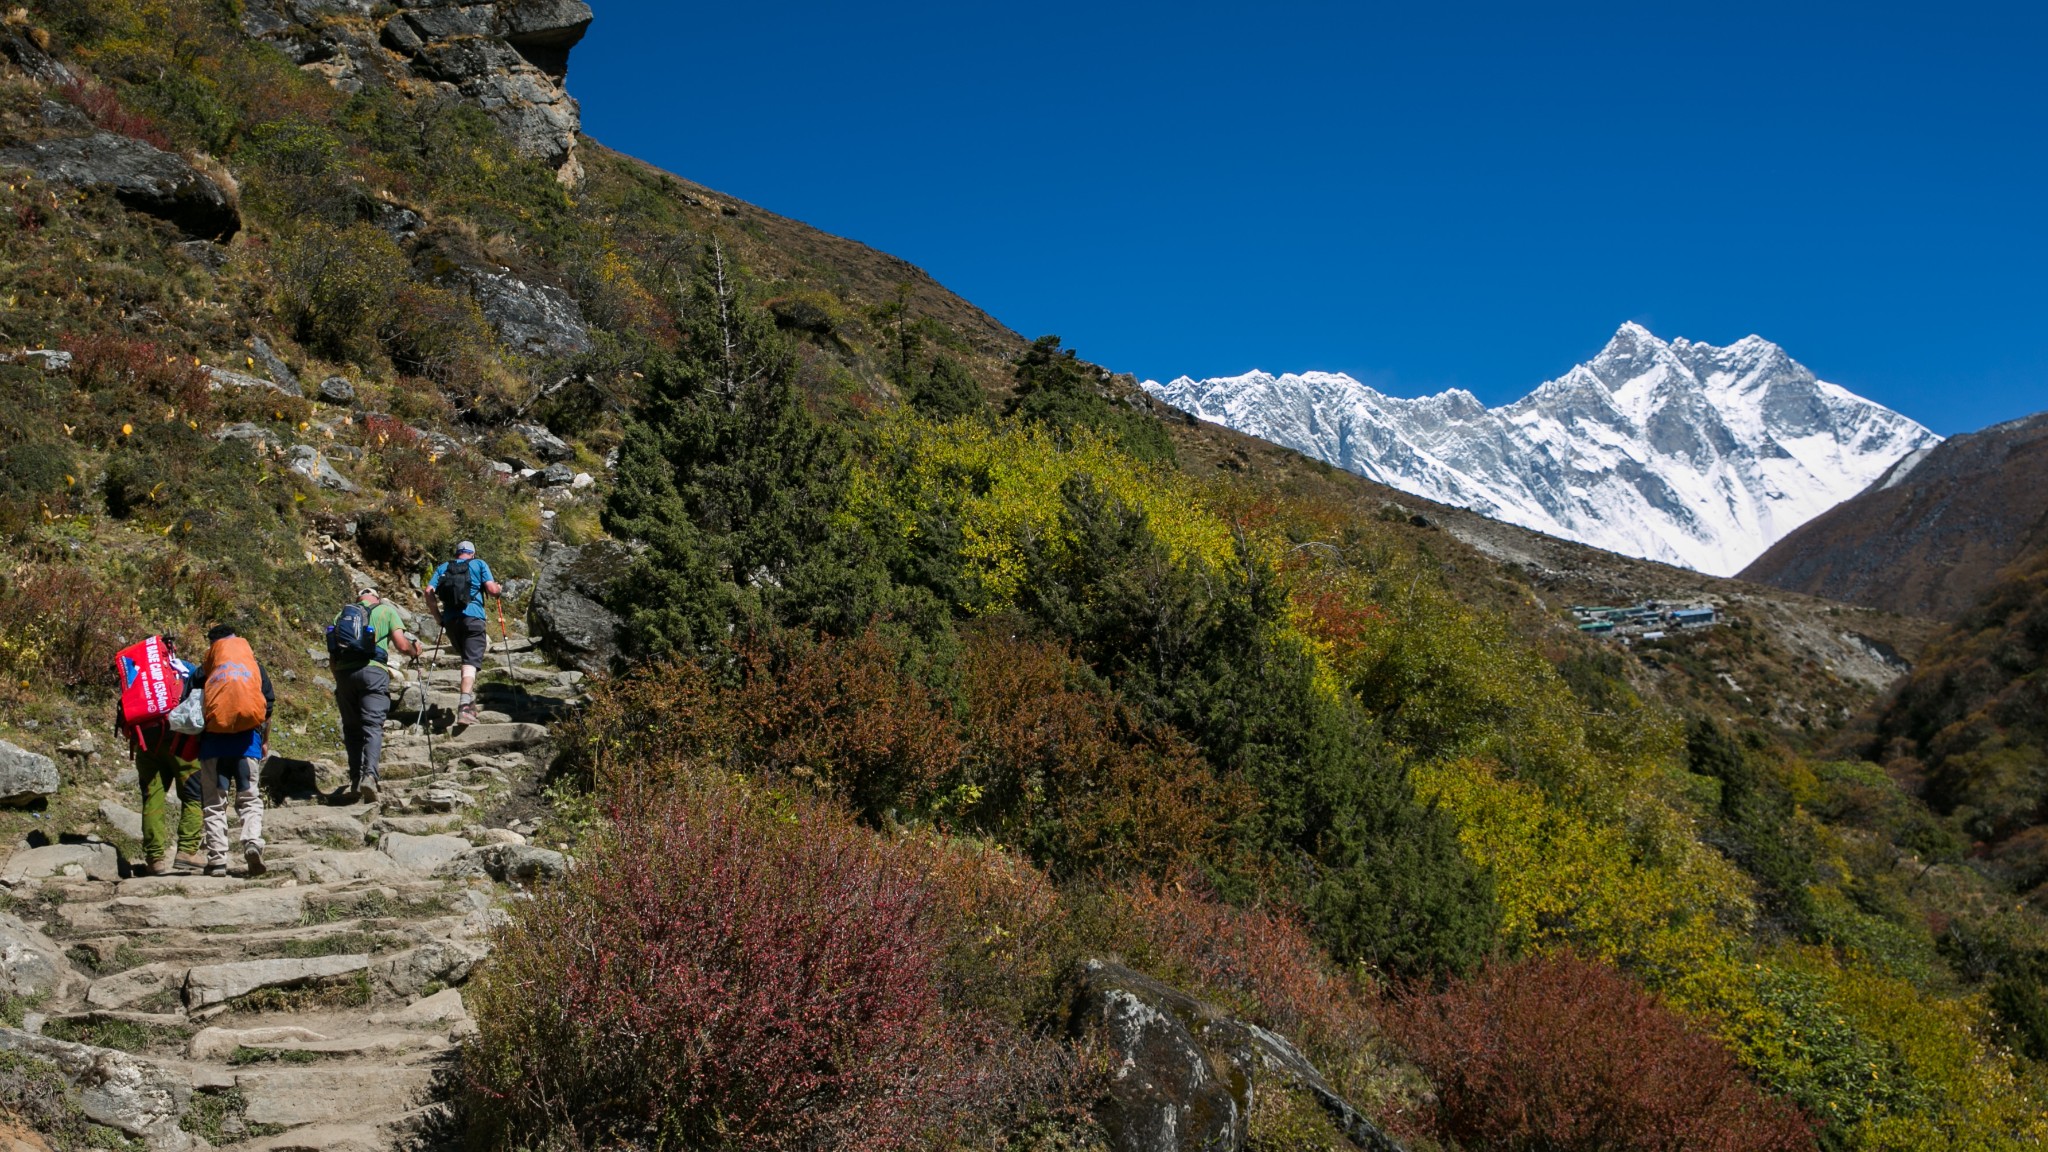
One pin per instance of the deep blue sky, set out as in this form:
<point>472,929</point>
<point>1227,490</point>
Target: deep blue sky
<point>1423,195</point>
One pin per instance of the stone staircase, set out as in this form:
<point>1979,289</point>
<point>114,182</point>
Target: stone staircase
<point>319,1005</point>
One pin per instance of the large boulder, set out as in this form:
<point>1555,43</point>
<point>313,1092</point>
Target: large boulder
<point>120,1091</point>
<point>568,615</point>
<point>1186,1071</point>
<point>31,966</point>
<point>307,461</point>
<point>537,319</point>
<point>140,175</point>
<point>26,777</point>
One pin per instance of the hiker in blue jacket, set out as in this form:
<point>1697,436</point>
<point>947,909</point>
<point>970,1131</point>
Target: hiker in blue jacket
<point>455,593</point>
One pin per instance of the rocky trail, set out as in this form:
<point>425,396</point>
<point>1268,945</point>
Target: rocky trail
<point>318,1005</point>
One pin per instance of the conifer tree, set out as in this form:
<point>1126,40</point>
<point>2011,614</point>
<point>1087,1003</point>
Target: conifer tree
<point>734,488</point>
<point>1055,388</point>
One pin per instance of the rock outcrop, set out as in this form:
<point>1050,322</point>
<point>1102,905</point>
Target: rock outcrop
<point>567,615</point>
<point>1186,1071</point>
<point>510,57</point>
<point>139,175</point>
<point>537,319</point>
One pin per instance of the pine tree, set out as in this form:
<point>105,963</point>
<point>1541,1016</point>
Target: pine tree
<point>735,488</point>
<point>1057,389</point>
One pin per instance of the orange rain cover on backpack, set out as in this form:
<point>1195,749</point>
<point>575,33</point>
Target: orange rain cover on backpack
<point>234,688</point>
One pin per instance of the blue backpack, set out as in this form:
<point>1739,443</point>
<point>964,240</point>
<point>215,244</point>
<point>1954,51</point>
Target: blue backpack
<point>351,640</point>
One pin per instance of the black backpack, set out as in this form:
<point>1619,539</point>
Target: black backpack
<point>453,589</point>
<point>351,640</point>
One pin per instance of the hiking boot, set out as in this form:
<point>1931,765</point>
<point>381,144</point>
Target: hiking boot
<point>467,715</point>
<point>162,866</point>
<point>367,792</point>
<point>220,869</point>
<point>189,860</point>
<point>252,855</point>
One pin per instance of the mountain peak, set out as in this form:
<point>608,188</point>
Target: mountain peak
<point>1680,452</point>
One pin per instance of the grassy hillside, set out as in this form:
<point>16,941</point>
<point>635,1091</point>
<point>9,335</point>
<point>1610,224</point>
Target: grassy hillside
<point>1054,672</point>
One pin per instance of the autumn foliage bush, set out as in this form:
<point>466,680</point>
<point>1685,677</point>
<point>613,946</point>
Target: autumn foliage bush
<point>1561,1054</point>
<point>59,623</point>
<point>726,970</point>
<point>1261,957</point>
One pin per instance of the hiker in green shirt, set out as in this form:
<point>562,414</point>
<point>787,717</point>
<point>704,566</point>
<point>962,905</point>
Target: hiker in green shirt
<point>358,646</point>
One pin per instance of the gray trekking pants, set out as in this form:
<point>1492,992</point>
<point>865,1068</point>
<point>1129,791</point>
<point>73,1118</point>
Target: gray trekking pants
<point>364,699</point>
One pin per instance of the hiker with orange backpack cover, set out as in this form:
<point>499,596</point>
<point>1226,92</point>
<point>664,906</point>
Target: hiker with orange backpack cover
<point>238,699</point>
<point>152,682</point>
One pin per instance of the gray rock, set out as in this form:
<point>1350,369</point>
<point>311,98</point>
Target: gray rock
<point>312,823</point>
<point>139,175</point>
<point>1186,1071</point>
<point>545,444</point>
<point>49,359</point>
<point>126,821</point>
<point>537,319</point>
<point>212,255</point>
<point>307,461</point>
<point>113,993</point>
<point>91,861</point>
<point>490,738</point>
<point>26,55</point>
<point>567,613</point>
<point>219,983</point>
<point>120,1091</point>
<point>25,776</point>
<point>337,390</point>
<point>581,481</point>
<point>440,962</point>
<point>421,854</point>
<point>328,866</point>
<point>253,433</point>
<point>273,366</point>
<point>554,476</point>
<point>219,378</point>
<point>31,966</point>
<point>509,864</point>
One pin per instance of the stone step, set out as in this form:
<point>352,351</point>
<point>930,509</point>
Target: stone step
<point>213,984</point>
<point>220,1043</point>
<point>347,1094</point>
<point>252,908</point>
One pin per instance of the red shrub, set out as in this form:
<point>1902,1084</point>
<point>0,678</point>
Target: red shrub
<point>59,623</point>
<point>133,372</point>
<point>1560,1054</point>
<point>1069,774</point>
<point>1261,955</point>
<point>721,972</point>
<point>847,716</point>
<point>104,108</point>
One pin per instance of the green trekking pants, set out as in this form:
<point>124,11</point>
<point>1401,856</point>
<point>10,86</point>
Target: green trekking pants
<point>158,773</point>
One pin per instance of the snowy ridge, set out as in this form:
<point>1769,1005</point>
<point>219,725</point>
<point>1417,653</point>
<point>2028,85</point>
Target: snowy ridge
<point>1679,452</point>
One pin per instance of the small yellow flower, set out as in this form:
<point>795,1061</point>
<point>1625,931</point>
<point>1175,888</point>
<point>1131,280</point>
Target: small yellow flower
<point>127,429</point>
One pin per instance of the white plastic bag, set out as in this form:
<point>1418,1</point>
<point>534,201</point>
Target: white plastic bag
<point>189,717</point>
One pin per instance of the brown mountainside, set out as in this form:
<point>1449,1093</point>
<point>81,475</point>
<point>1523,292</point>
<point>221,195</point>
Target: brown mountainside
<point>1930,541</point>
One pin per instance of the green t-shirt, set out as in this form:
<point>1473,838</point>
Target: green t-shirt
<point>384,619</point>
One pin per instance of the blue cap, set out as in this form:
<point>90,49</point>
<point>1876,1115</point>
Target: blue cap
<point>465,548</point>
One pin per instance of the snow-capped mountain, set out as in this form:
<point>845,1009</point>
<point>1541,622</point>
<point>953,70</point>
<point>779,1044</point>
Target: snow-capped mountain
<point>1679,452</point>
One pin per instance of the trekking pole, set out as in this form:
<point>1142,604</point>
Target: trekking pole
<point>504,638</point>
